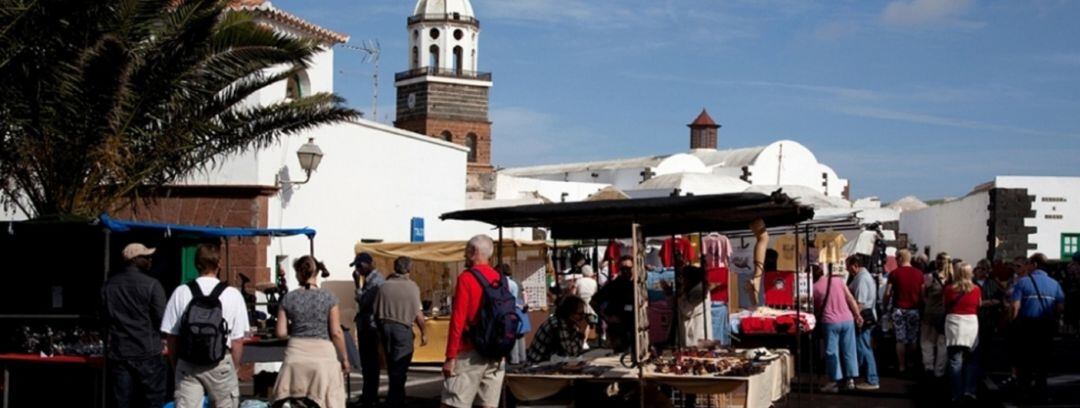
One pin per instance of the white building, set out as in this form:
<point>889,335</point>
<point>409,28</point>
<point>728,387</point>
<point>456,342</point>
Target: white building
<point>701,170</point>
<point>371,184</point>
<point>1008,217</point>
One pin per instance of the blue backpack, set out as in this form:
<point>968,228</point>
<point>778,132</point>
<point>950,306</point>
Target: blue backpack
<point>497,322</point>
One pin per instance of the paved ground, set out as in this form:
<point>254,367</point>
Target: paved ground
<point>425,384</point>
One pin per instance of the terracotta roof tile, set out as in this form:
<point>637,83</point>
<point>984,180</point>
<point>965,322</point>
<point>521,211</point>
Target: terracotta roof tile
<point>266,10</point>
<point>703,120</point>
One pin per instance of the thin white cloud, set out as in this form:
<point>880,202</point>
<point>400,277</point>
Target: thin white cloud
<point>543,11</point>
<point>1063,58</point>
<point>929,14</point>
<point>894,115</point>
<point>836,91</point>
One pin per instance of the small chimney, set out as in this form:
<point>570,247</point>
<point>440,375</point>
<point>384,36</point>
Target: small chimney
<point>703,132</point>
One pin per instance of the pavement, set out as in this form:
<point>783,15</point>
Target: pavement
<point>425,385</point>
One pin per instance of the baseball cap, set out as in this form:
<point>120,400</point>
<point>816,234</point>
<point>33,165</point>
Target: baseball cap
<point>135,250</point>
<point>362,257</point>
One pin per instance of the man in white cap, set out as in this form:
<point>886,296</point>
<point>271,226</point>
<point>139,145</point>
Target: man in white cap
<point>134,304</point>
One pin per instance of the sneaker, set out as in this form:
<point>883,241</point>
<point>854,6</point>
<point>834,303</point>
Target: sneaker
<point>849,385</point>
<point>830,388</point>
<point>867,387</point>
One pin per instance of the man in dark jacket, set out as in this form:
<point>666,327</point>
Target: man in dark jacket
<point>134,304</point>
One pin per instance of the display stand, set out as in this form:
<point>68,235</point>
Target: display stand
<point>638,219</point>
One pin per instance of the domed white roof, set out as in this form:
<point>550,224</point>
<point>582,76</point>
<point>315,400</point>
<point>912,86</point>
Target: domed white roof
<point>696,183</point>
<point>440,7</point>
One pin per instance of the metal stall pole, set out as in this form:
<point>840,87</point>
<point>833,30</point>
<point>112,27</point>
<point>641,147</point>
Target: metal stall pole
<point>500,256</point>
<point>555,261</point>
<point>673,332</point>
<point>706,298</point>
<point>595,261</point>
<point>104,367</point>
<point>812,346</point>
<point>228,262</point>
<point>798,307</point>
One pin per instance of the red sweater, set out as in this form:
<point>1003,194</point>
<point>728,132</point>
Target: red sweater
<point>466,306</point>
<point>963,303</point>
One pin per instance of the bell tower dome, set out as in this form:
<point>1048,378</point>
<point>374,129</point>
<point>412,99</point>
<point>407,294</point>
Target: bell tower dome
<point>443,94</point>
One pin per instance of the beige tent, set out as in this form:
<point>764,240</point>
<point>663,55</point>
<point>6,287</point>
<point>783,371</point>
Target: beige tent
<point>435,269</point>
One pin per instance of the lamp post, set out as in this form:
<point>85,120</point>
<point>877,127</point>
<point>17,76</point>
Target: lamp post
<point>310,155</point>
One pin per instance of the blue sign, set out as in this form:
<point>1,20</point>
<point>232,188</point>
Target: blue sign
<point>417,234</point>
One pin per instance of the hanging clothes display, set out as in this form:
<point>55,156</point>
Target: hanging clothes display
<point>785,247</point>
<point>717,250</point>
<point>780,289</point>
<point>718,279</point>
<point>677,245</point>
<point>613,252</point>
<point>830,247</point>
<point>612,255</point>
<point>695,247</point>
<point>742,263</point>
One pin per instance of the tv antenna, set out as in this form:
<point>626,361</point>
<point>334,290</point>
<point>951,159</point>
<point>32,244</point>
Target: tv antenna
<point>372,50</point>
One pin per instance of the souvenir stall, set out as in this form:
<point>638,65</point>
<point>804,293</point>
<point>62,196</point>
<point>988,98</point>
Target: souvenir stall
<point>435,269</point>
<point>786,296</point>
<point>750,378</point>
<point>50,302</point>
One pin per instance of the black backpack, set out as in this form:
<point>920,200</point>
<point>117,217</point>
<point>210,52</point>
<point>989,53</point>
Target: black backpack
<point>497,322</point>
<point>203,332</point>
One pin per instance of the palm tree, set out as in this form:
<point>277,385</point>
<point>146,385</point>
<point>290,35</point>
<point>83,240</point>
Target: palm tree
<point>101,99</point>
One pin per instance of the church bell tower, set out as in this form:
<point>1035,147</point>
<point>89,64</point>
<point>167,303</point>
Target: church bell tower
<point>443,94</point>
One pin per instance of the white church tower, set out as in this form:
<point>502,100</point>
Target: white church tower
<point>443,94</point>
<point>443,35</point>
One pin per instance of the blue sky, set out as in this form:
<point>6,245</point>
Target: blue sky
<point>922,97</point>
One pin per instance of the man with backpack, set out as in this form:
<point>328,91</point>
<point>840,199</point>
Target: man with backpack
<point>205,321</point>
<point>483,330</point>
<point>1037,302</point>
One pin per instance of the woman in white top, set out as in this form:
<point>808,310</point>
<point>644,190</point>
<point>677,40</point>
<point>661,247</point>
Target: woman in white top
<point>585,288</point>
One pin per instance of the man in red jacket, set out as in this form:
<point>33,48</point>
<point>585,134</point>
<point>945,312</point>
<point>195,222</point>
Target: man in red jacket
<point>467,375</point>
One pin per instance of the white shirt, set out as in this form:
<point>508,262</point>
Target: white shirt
<point>233,308</point>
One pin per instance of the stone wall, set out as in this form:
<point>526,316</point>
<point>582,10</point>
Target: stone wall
<point>1008,236</point>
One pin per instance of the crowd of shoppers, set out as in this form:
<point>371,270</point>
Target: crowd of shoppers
<point>948,311</point>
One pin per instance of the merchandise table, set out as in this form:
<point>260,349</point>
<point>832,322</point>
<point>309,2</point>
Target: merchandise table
<point>756,391</point>
<point>11,362</point>
<point>532,387</point>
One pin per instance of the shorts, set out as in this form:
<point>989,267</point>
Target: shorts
<point>475,378</point>
<point>905,324</point>
<point>217,381</point>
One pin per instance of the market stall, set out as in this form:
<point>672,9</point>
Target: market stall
<point>656,217</point>
<point>435,268</point>
<point>50,319</point>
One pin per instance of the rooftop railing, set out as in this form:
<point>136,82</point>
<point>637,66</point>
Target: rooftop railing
<point>442,72</point>
<point>454,17</point>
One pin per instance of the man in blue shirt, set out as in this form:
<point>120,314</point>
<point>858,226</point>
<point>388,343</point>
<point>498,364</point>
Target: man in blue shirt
<point>1037,301</point>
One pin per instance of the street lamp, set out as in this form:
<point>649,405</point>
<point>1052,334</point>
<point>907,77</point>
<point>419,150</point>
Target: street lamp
<point>310,155</point>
